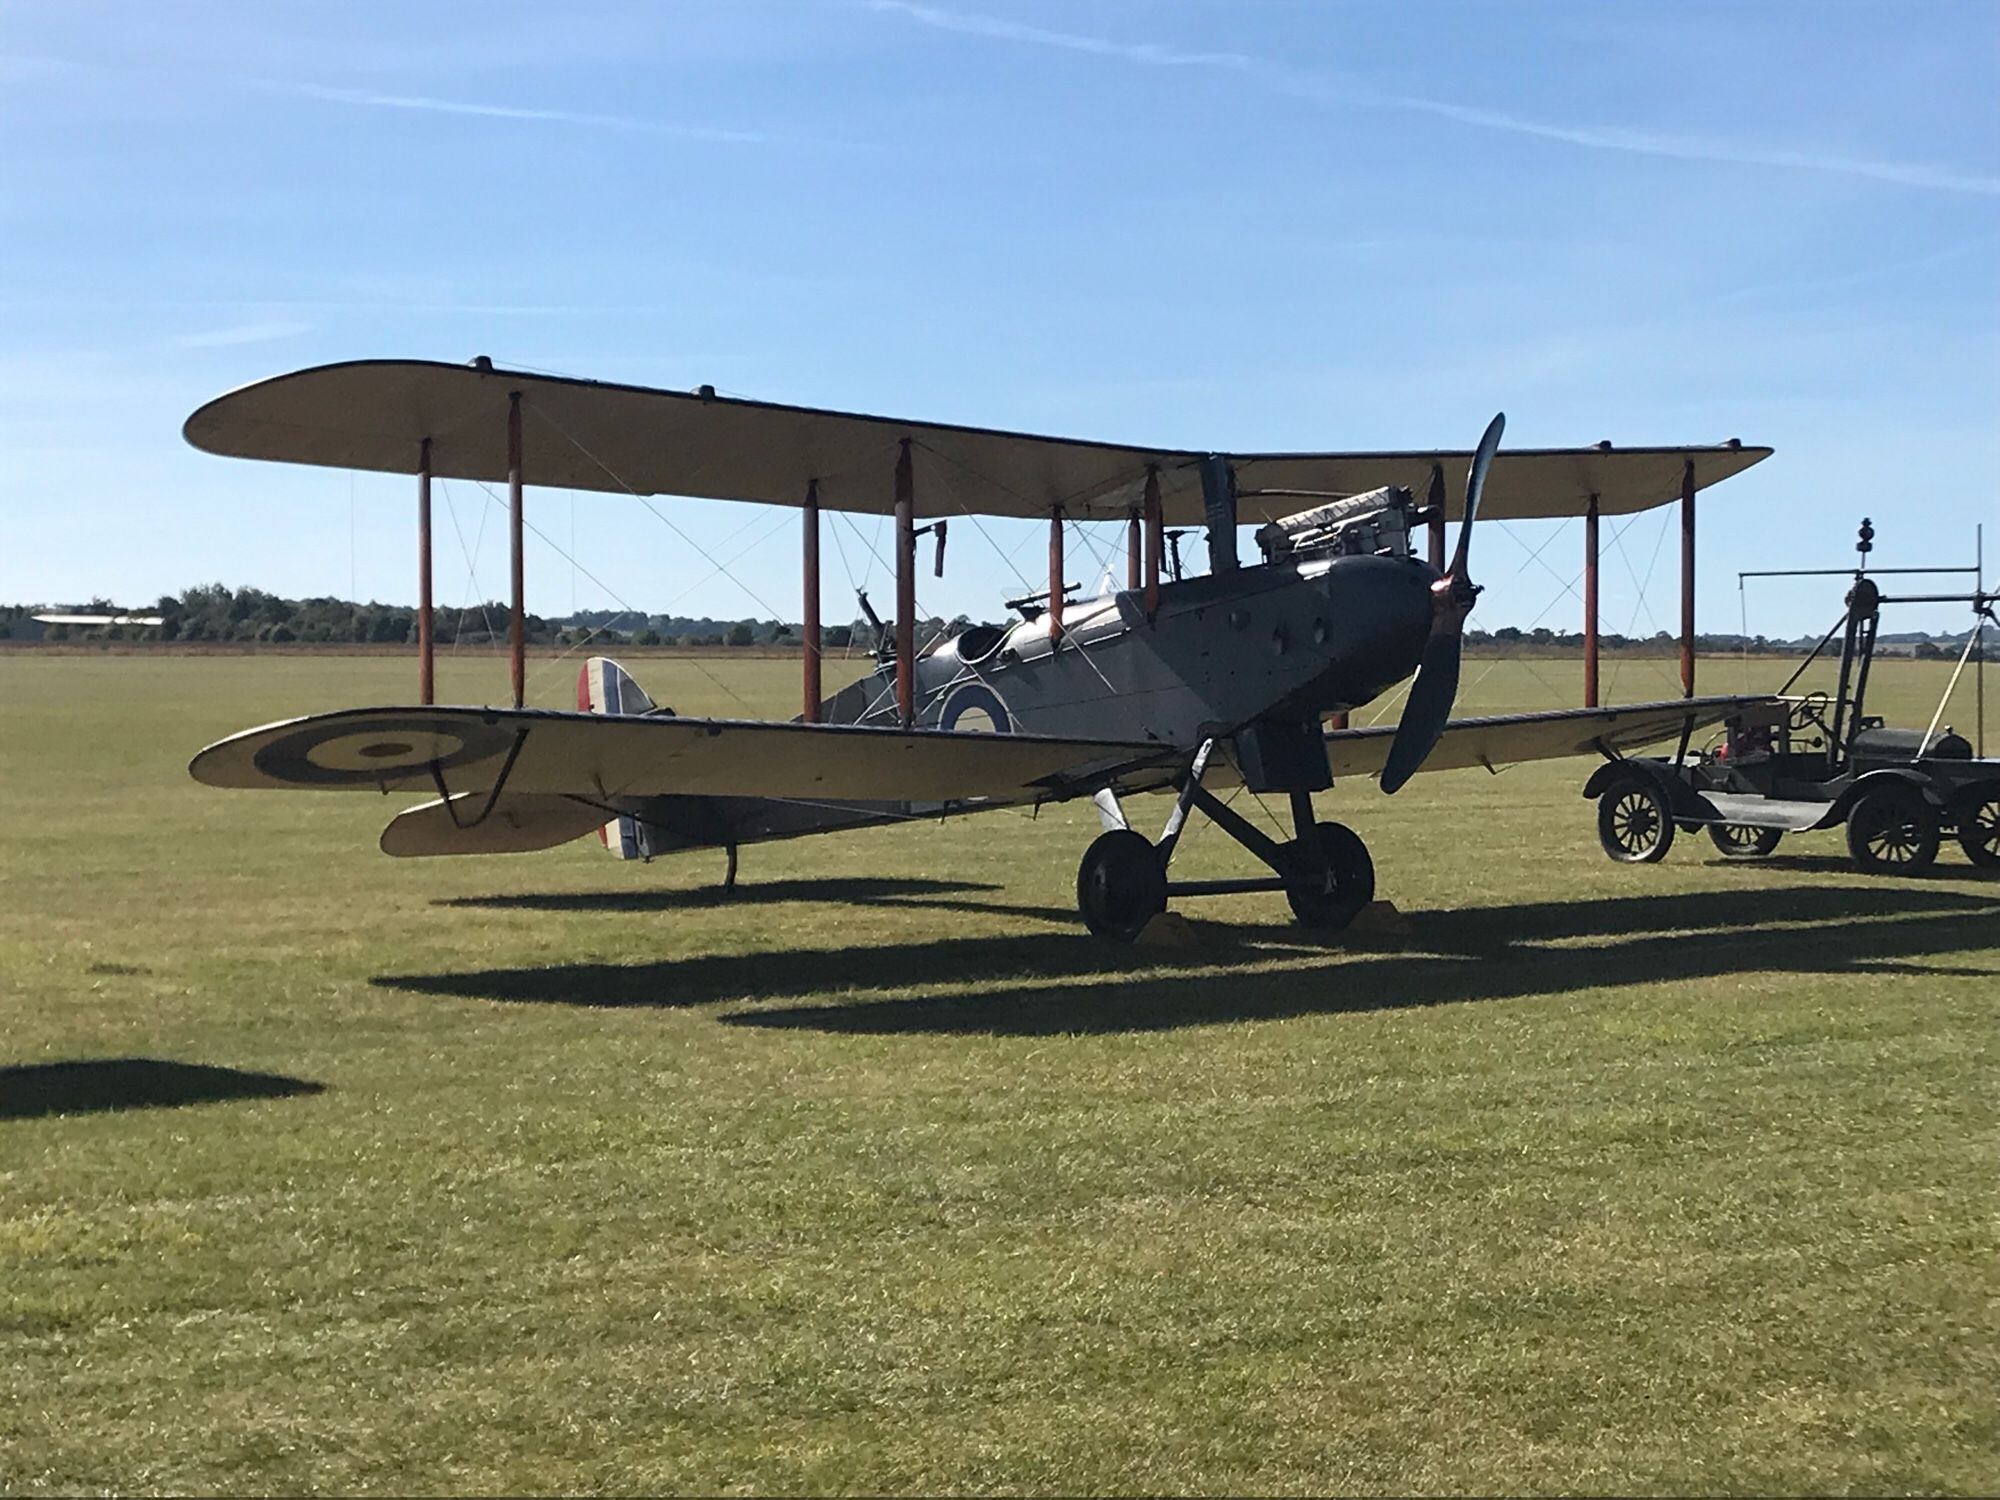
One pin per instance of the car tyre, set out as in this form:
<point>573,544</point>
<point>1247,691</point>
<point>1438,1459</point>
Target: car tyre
<point>1892,830</point>
<point>1634,823</point>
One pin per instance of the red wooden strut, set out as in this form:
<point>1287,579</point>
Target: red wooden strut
<point>1132,550</point>
<point>426,665</point>
<point>1687,578</point>
<point>1055,576</point>
<point>906,588</point>
<point>809,628</point>
<point>1590,604</point>
<point>518,633</point>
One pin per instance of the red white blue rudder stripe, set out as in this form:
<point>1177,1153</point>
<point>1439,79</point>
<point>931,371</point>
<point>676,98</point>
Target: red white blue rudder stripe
<point>604,687</point>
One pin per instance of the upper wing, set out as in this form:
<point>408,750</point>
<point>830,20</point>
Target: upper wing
<point>536,751</point>
<point>594,435</point>
<point>1551,735</point>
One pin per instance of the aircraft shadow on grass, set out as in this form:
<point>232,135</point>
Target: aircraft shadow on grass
<point>865,890</point>
<point>94,1085</point>
<point>1481,953</point>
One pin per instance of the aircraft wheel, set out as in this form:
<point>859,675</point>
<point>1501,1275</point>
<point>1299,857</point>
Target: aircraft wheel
<point>1741,841</point>
<point>1634,822</point>
<point>1121,884</point>
<point>1979,831</point>
<point>1335,894</point>
<point>1892,831</point>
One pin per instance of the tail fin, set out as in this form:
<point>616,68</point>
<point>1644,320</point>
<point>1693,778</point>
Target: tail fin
<point>604,687</point>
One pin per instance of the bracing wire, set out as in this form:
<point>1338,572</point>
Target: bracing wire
<point>656,512</point>
<point>625,605</point>
<point>471,567</point>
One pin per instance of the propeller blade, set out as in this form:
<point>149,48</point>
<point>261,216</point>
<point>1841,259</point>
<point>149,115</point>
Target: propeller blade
<point>1436,687</point>
<point>1427,712</point>
<point>1475,486</point>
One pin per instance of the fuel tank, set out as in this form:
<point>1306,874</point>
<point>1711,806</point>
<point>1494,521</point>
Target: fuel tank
<point>1882,746</point>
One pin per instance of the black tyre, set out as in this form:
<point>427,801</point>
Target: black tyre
<point>1334,895</point>
<point>1979,829</point>
<point>1892,830</point>
<point>1741,841</point>
<point>1121,884</point>
<point>1634,822</point>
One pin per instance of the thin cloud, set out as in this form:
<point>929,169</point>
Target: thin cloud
<point>1333,88</point>
<point>368,98</point>
<point>242,333</point>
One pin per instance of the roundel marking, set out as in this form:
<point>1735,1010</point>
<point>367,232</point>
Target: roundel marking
<point>359,754</point>
<point>976,698</point>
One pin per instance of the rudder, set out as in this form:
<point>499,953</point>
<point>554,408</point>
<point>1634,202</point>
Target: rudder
<point>604,687</point>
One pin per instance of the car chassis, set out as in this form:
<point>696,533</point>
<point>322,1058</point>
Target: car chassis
<point>1801,763</point>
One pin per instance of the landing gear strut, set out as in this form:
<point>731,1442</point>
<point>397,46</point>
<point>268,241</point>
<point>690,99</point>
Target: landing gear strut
<point>1324,871</point>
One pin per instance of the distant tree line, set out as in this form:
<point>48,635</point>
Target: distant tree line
<point>213,612</point>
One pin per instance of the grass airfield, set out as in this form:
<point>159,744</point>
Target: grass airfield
<point>554,1173</point>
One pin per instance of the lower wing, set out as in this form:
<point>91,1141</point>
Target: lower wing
<point>1506,739</point>
<point>535,752</point>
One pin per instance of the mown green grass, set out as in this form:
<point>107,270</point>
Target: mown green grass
<point>565,1174</point>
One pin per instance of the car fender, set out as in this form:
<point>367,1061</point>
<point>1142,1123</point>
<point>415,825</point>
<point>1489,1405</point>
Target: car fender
<point>1863,785</point>
<point>1967,797</point>
<point>1683,799</point>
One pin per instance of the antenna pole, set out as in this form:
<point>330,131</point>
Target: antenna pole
<point>1979,634</point>
<point>809,627</point>
<point>1687,578</point>
<point>518,632</point>
<point>1590,605</point>
<point>906,588</point>
<point>426,665</point>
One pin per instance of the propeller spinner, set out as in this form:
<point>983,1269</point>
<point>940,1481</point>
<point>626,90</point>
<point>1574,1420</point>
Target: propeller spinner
<point>1452,596</point>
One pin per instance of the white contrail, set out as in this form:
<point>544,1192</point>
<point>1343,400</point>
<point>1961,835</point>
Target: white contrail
<point>1335,88</point>
<point>516,112</point>
<point>242,333</point>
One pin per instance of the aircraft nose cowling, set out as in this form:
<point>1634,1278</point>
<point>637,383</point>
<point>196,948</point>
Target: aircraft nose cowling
<point>1379,620</point>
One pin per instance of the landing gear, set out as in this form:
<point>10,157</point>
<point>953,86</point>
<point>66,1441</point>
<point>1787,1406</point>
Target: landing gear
<point>1121,884</point>
<point>1337,878</point>
<point>1324,871</point>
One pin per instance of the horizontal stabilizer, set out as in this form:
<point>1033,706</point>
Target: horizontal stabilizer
<point>516,824</point>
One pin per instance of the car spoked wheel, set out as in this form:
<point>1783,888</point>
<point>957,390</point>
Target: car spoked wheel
<point>1633,821</point>
<point>1979,832</point>
<point>1741,841</point>
<point>1892,831</point>
<point>1333,895</point>
<point>1121,884</point>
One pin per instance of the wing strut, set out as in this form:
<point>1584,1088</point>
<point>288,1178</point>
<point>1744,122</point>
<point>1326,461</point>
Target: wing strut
<point>906,588</point>
<point>492,797</point>
<point>517,635</point>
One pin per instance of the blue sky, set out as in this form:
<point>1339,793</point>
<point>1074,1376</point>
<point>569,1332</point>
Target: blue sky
<point>1204,224</point>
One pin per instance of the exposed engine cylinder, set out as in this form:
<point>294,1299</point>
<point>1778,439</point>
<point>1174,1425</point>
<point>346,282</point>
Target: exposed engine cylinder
<point>1365,525</point>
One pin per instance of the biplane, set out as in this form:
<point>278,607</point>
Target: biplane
<point>1182,681</point>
